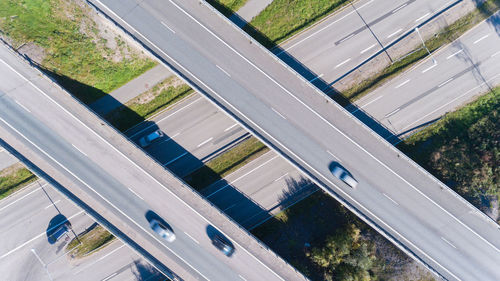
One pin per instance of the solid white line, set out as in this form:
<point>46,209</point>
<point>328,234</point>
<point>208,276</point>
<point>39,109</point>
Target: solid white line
<point>495,54</point>
<point>342,63</point>
<point>100,259</point>
<point>367,49</point>
<point>244,175</point>
<point>372,101</point>
<point>445,82</point>
<point>36,237</point>
<point>392,113</point>
<point>394,33</point>
<point>454,54</point>
<point>291,152</point>
<point>164,118</point>
<point>79,150</point>
<point>52,204</point>
<point>317,77</point>
<point>242,277</point>
<point>204,142</point>
<point>176,158</point>
<point>24,196</point>
<point>232,205</point>
<point>327,26</point>
<point>169,138</point>
<point>109,277</point>
<point>481,39</point>
<point>347,38</point>
<point>24,107</point>
<point>422,17</point>
<point>165,25</point>
<point>225,72</point>
<point>328,151</point>
<point>230,127</point>
<point>390,199</point>
<point>281,177</point>
<point>191,238</point>
<point>429,68</point>
<point>399,8</point>
<point>400,85</point>
<point>278,113</point>
<point>135,193</point>
<point>449,243</point>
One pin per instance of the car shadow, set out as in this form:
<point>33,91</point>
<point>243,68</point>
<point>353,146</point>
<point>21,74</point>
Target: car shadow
<point>54,224</point>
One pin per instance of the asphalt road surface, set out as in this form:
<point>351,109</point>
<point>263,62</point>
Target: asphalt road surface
<point>343,41</point>
<point>110,170</point>
<point>25,249</point>
<point>394,195</point>
<point>6,159</point>
<point>451,77</point>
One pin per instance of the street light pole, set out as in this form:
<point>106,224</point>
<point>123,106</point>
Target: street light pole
<point>423,43</point>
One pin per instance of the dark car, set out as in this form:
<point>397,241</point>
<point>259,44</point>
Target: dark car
<point>59,232</point>
<point>223,244</point>
<point>147,140</point>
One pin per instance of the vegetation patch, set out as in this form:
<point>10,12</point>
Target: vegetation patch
<point>283,18</point>
<point>14,178</point>
<point>463,150</point>
<point>445,36</point>
<point>227,7</point>
<point>226,163</point>
<point>87,58</point>
<point>89,241</point>
<point>147,104</point>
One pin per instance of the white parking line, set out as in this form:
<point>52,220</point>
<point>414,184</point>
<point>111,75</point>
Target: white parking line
<point>449,243</point>
<point>100,259</point>
<point>225,72</point>
<point>328,151</point>
<point>367,49</point>
<point>454,54</point>
<point>24,196</point>
<point>495,54</point>
<point>278,113</point>
<point>392,113</point>
<point>372,101</point>
<point>52,204</point>
<point>204,142</point>
<point>445,82</point>
<point>230,127</point>
<point>242,277</point>
<point>24,107</point>
<point>79,150</point>
<point>400,85</point>
<point>135,193</point>
<point>387,196</point>
<point>281,177</point>
<point>176,158</point>
<point>481,39</point>
<point>342,63</point>
<point>317,77</point>
<point>399,8</point>
<point>394,33</point>
<point>168,27</point>
<point>422,17</point>
<point>429,68</point>
<point>110,276</point>
<point>191,238</point>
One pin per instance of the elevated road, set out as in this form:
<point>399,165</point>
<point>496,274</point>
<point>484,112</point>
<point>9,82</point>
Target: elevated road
<point>120,183</point>
<point>395,196</point>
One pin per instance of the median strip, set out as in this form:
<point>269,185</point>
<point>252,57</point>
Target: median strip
<point>14,178</point>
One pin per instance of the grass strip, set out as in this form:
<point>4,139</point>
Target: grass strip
<point>73,50</point>
<point>445,36</point>
<point>13,180</point>
<point>226,163</point>
<point>90,241</point>
<point>227,7</point>
<point>283,18</point>
<point>147,104</point>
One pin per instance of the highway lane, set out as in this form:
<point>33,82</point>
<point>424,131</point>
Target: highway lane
<point>97,164</point>
<point>466,68</point>
<point>341,42</point>
<point>433,223</point>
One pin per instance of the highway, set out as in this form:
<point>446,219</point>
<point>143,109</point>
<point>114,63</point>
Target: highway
<point>343,41</point>
<point>121,182</point>
<point>6,159</point>
<point>432,224</point>
<point>464,69</point>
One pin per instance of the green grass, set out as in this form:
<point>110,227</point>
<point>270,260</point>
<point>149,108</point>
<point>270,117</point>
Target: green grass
<point>227,7</point>
<point>13,180</point>
<point>284,18</point>
<point>463,149</point>
<point>79,59</point>
<point>90,241</point>
<point>445,36</point>
<point>226,163</point>
<point>147,104</point>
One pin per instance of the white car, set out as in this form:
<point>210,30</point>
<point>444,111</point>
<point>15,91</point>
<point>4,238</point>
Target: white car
<point>162,230</point>
<point>344,176</point>
<point>147,140</point>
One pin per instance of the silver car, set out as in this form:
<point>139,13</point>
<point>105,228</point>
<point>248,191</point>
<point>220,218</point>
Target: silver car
<point>344,176</point>
<point>162,230</point>
<point>147,140</point>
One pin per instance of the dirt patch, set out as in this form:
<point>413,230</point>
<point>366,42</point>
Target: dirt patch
<point>11,169</point>
<point>33,51</point>
<point>149,95</point>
